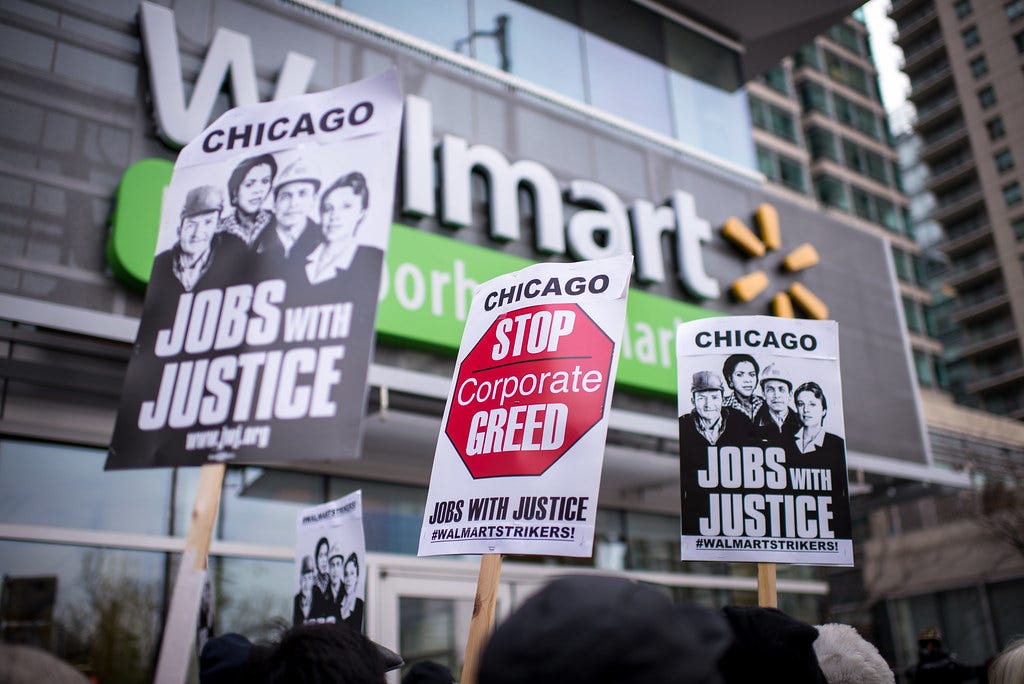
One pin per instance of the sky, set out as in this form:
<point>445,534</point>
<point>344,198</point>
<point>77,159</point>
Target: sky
<point>892,82</point>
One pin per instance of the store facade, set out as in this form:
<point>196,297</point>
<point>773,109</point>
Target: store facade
<point>507,157</point>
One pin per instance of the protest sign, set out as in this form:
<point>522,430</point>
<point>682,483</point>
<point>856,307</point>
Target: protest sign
<point>330,555</point>
<point>257,327</point>
<point>762,443</point>
<point>518,462</point>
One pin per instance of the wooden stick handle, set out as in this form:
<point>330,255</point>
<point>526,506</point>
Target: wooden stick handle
<point>180,629</point>
<point>767,594</point>
<point>483,615</point>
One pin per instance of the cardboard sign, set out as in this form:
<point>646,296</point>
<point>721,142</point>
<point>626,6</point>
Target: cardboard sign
<point>518,462</point>
<point>330,570</point>
<point>258,323</point>
<point>762,443</point>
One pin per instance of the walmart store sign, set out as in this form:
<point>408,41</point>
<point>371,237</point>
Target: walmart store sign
<point>430,279</point>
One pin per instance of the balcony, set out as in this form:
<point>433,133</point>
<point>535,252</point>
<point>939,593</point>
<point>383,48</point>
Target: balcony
<point>975,268</point>
<point>915,24</point>
<point>901,8</point>
<point>957,204</point>
<point>916,56</point>
<point>1008,374</point>
<point>976,307</point>
<point>935,113</point>
<point>946,176</point>
<point>930,83</point>
<point>978,345</point>
<point>940,145</point>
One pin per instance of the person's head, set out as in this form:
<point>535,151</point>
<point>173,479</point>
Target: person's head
<point>588,629</point>
<point>929,643</point>
<point>322,547</point>
<point>769,646</point>
<point>343,207</point>
<point>811,406</point>
<point>740,371</point>
<point>23,664</point>
<point>200,217</point>
<point>776,386</point>
<point>251,181</point>
<point>318,654</point>
<point>351,576</point>
<point>1008,667</point>
<point>306,576</point>
<point>336,564</point>
<point>428,672</point>
<point>707,390</point>
<point>295,194</point>
<point>847,658</point>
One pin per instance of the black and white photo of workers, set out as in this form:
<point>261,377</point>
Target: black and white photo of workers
<point>248,188</point>
<point>711,423</point>
<point>303,608</point>
<point>351,608</point>
<point>343,207</point>
<point>283,246</point>
<point>775,423</point>
<point>741,372</point>
<point>203,257</point>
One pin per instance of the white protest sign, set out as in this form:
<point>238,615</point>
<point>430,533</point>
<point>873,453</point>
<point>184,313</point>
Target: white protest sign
<point>518,462</point>
<point>762,443</point>
<point>330,563</point>
<point>258,324</point>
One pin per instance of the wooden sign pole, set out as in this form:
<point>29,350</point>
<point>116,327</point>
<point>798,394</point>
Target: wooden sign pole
<point>179,637</point>
<point>483,615</point>
<point>767,595</point>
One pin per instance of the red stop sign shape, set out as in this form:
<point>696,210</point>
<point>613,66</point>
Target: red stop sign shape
<point>530,388</point>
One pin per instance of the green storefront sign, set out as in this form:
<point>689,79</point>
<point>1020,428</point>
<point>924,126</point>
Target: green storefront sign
<point>427,289</point>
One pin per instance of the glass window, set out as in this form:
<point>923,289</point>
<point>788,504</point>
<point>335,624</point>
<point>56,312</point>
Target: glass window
<point>252,596</point>
<point>962,7</point>
<point>995,128</point>
<point>847,73</point>
<point>773,119</point>
<point>392,513</point>
<point>979,66</point>
<point>444,23</point>
<point>1012,194</point>
<point>776,79</point>
<point>987,97</point>
<point>98,609</point>
<point>534,45</point>
<point>628,84</point>
<point>791,172</point>
<point>1007,602</point>
<point>766,163</point>
<point>813,96</point>
<point>822,143</point>
<point>1014,10</point>
<point>924,368</point>
<point>863,205</point>
<point>888,216</point>
<point>900,259</point>
<point>90,498</point>
<point>261,505</point>
<point>1018,228</point>
<point>807,56</point>
<point>970,36</point>
<point>1004,160</point>
<point>846,36</point>
<point>912,314</point>
<point>831,192</point>
<point>965,624</point>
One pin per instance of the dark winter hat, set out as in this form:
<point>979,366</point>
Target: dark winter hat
<point>307,564</point>
<point>588,629</point>
<point>223,659</point>
<point>201,200</point>
<point>770,646</point>
<point>704,381</point>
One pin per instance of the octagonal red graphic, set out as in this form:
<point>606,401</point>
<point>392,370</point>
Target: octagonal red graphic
<point>530,388</point>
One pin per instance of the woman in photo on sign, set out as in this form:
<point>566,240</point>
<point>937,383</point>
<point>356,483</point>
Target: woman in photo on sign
<point>811,408</point>
<point>248,188</point>
<point>351,605</point>
<point>741,372</point>
<point>343,207</point>
<point>322,597</point>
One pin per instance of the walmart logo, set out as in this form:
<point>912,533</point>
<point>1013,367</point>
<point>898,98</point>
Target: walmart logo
<point>750,286</point>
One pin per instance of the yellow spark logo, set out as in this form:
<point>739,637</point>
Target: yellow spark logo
<point>753,284</point>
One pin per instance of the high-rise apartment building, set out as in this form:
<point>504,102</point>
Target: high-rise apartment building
<point>964,60</point>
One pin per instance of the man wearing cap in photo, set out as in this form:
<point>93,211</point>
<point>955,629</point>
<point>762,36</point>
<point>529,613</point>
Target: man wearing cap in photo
<point>776,423</point>
<point>303,608</point>
<point>336,587</point>
<point>283,247</point>
<point>711,423</point>
<point>203,257</point>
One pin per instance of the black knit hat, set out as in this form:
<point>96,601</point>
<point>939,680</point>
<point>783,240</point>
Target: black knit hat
<point>770,646</point>
<point>588,629</point>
